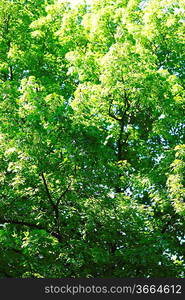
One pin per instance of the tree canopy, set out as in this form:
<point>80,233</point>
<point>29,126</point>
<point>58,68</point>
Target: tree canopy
<point>92,138</point>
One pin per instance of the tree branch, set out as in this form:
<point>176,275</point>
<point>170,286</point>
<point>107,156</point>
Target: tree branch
<point>111,114</point>
<point>63,194</point>
<point>30,225</point>
<point>47,191</point>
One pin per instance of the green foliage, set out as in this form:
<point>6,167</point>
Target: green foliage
<point>92,133</point>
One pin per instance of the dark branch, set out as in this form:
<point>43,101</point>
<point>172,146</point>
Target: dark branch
<point>16,222</point>
<point>63,194</point>
<point>11,73</point>
<point>55,208</point>
<point>30,225</point>
<point>47,191</point>
<point>111,114</point>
